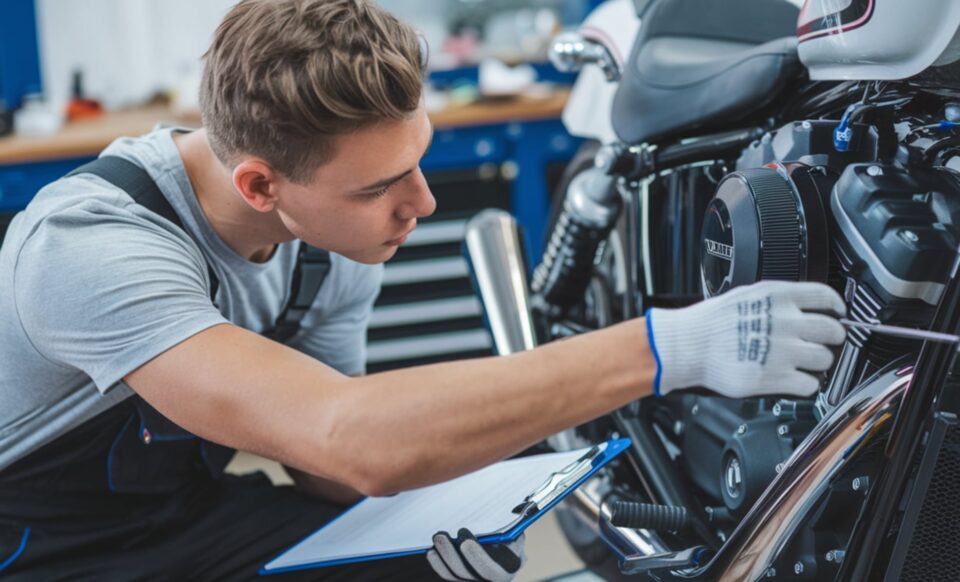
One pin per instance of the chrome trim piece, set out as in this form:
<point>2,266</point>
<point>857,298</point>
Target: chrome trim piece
<point>403,272</point>
<point>432,233</point>
<point>842,379</point>
<point>427,345</point>
<point>774,519</point>
<point>645,233</point>
<point>497,261</point>
<point>570,51</point>
<point>424,311</point>
<point>927,291</point>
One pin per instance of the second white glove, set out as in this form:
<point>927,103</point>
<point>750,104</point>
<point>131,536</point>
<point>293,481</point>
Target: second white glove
<point>751,341</point>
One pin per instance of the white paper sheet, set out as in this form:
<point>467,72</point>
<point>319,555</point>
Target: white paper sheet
<point>481,501</point>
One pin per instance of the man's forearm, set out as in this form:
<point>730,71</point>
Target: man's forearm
<point>423,425</point>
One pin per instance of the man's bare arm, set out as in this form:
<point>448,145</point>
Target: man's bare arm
<point>396,430</point>
<point>327,489</point>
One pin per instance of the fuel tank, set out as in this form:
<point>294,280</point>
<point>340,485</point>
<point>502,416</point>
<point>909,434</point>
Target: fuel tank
<point>877,39</point>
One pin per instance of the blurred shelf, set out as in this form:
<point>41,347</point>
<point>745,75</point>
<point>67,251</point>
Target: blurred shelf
<point>86,138</point>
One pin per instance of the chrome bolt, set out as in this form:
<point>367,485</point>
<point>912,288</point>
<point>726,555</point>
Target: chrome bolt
<point>777,409</point>
<point>910,236</point>
<point>798,568</point>
<point>874,171</point>
<point>778,468</point>
<point>860,483</point>
<point>695,409</point>
<point>806,125</point>
<point>742,429</point>
<point>830,556</point>
<point>771,572</point>
<point>783,430</point>
<point>678,427</point>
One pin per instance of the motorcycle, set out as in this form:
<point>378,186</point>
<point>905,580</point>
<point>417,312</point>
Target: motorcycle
<point>752,140</point>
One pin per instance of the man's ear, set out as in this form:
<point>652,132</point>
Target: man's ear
<point>257,183</point>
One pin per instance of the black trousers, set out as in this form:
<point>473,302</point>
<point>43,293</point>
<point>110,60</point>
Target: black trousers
<point>131,496</point>
<point>226,532</point>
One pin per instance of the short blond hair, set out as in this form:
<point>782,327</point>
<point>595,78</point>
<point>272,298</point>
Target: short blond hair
<point>282,78</point>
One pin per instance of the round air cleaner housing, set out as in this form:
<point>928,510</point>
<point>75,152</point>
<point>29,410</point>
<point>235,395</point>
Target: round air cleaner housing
<point>766,224</point>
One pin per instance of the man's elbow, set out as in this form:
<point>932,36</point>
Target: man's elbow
<point>376,481</point>
<point>374,464</point>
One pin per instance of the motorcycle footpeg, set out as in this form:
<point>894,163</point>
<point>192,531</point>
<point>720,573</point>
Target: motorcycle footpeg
<point>649,516</point>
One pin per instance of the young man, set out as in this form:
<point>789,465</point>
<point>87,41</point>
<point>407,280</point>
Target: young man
<point>132,361</point>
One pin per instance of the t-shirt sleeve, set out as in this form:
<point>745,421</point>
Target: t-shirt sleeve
<point>105,289</point>
<point>334,331</point>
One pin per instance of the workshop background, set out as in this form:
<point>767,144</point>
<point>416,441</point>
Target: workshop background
<point>76,74</point>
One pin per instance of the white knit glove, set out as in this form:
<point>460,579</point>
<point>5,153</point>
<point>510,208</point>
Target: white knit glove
<point>751,341</point>
<point>464,558</point>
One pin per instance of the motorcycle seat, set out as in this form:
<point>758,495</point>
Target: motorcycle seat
<point>695,68</point>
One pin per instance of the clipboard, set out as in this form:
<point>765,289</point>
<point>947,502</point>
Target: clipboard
<point>403,525</point>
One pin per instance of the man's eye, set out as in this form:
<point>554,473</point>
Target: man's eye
<point>381,192</point>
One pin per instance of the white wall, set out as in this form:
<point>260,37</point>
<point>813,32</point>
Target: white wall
<point>129,49</point>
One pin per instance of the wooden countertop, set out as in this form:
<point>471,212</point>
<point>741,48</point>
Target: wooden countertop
<point>88,137</point>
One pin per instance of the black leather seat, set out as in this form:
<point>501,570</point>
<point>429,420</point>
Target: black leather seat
<point>704,63</point>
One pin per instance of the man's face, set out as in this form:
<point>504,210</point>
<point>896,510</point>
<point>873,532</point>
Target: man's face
<point>363,202</point>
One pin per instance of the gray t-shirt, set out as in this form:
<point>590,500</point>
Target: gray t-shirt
<point>93,285</point>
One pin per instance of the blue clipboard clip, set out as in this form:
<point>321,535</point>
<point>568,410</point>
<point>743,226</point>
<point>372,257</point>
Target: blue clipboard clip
<point>557,483</point>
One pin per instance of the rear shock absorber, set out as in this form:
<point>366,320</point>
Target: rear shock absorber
<point>591,207</point>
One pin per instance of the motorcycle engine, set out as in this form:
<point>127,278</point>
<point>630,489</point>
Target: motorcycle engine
<point>795,209</point>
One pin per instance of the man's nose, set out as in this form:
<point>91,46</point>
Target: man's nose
<point>419,201</point>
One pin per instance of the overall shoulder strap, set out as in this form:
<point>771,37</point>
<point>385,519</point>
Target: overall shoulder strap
<point>135,181</point>
<point>313,265</point>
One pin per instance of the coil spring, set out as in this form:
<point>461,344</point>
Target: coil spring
<point>563,274</point>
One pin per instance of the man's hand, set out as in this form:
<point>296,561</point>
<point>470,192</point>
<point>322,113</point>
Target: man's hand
<point>754,340</point>
<point>465,559</point>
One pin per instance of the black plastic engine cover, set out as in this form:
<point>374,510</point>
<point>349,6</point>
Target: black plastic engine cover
<point>810,142</point>
<point>756,433</point>
<point>898,228</point>
<point>766,224</point>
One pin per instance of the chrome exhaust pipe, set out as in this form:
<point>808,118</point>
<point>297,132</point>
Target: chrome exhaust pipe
<point>498,267</point>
